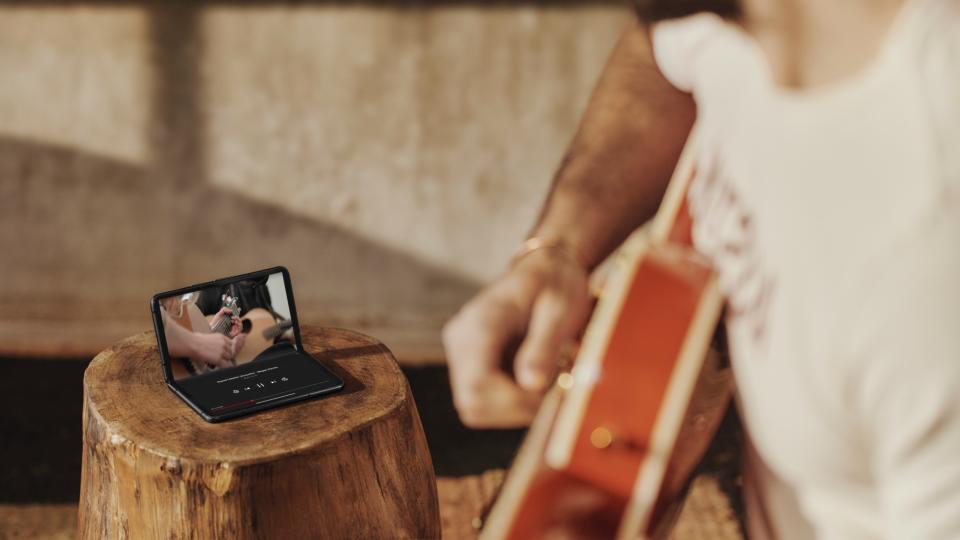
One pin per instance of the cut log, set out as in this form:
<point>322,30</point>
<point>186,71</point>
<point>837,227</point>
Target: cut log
<point>351,465</point>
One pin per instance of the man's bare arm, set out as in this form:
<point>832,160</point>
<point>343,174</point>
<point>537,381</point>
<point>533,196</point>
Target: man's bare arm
<point>623,154</point>
<point>611,181</point>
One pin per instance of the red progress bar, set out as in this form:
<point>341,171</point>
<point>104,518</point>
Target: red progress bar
<point>233,405</point>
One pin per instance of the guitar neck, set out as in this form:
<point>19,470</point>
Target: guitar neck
<point>672,223</point>
<point>222,326</point>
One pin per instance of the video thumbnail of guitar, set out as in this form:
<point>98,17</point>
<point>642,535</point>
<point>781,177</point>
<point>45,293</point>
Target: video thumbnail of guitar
<point>226,325</point>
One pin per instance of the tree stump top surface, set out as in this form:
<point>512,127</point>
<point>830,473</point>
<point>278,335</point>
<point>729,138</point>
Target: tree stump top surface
<point>125,389</point>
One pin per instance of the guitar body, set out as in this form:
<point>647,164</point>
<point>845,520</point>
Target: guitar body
<point>611,454</point>
<point>259,337</point>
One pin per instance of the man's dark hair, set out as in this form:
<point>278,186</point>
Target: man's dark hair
<point>658,10</point>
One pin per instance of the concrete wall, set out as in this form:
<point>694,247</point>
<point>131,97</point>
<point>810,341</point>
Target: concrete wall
<point>392,157</point>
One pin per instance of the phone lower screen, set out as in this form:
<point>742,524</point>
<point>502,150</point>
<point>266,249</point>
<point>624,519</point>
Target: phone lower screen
<point>270,380</point>
<point>232,345</point>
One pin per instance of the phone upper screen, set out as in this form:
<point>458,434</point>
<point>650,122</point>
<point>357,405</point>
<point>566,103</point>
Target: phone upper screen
<point>227,324</point>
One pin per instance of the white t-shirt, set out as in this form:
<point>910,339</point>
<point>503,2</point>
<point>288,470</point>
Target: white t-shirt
<point>833,218</point>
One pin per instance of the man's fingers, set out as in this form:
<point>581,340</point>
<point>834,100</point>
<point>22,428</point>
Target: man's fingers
<point>226,351</point>
<point>479,342</point>
<point>475,342</point>
<point>536,361</point>
<point>554,322</point>
<point>238,343</point>
<point>497,402</point>
<point>224,359</point>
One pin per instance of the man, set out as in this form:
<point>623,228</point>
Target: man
<point>827,198</point>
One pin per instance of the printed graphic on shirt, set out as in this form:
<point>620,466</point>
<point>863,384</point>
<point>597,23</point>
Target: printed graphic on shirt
<point>724,230</point>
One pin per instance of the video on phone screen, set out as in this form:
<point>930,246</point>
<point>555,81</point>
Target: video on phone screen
<point>228,325</point>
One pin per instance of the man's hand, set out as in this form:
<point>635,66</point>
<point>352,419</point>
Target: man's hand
<point>214,349</point>
<point>236,325</point>
<point>236,343</point>
<point>541,304</point>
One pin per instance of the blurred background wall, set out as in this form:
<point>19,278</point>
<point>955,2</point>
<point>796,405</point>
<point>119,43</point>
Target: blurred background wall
<point>391,154</point>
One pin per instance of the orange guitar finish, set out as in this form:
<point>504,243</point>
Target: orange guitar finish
<point>644,347</point>
<point>644,402</point>
<point>639,363</point>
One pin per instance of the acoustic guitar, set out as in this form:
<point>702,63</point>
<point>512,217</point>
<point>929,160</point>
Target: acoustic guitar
<point>258,324</point>
<point>262,331</point>
<point>628,425</point>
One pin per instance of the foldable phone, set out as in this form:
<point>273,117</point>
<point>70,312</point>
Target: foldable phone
<point>232,347</point>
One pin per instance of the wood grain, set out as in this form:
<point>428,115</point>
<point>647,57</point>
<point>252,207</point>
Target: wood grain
<point>354,464</point>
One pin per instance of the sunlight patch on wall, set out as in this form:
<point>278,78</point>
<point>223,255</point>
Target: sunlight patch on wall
<point>77,77</point>
<point>434,131</point>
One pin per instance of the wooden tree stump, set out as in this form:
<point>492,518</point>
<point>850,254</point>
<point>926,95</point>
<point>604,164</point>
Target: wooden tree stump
<point>351,465</point>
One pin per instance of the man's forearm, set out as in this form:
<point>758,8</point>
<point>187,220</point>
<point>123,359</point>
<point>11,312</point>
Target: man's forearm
<point>178,337</point>
<point>622,156</point>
